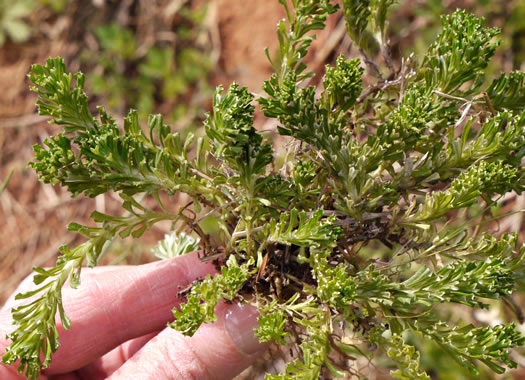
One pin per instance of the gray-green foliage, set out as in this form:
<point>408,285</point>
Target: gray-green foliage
<point>12,23</point>
<point>174,245</point>
<point>57,6</point>
<point>174,73</point>
<point>381,166</point>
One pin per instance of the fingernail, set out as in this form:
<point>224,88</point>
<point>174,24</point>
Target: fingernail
<point>240,322</point>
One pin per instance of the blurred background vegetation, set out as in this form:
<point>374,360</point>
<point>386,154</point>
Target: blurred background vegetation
<point>166,56</point>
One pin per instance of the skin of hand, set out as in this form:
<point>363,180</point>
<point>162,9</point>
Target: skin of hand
<point>118,328</point>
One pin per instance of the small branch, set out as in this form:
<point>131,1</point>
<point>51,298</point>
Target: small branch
<point>451,96</point>
<point>245,233</point>
<point>387,55</point>
<point>213,211</point>
<point>381,85</point>
<point>371,64</point>
<point>464,115</point>
<point>489,103</point>
<point>200,174</point>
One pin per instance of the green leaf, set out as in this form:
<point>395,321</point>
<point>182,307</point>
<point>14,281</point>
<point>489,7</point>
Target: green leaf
<point>301,229</point>
<point>340,242</point>
<point>174,245</point>
<point>460,53</point>
<point>307,16</point>
<point>407,360</point>
<point>271,327</point>
<point>35,338</point>
<point>490,345</point>
<point>343,84</point>
<point>234,139</point>
<point>483,178</point>
<point>66,105</point>
<point>508,91</point>
<point>357,15</point>
<point>17,30</point>
<point>4,184</point>
<point>206,294</point>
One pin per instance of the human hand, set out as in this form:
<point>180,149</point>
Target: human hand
<point>118,328</point>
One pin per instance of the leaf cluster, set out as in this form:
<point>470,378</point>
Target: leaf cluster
<point>124,73</point>
<point>348,245</point>
<point>12,24</point>
<point>206,294</point>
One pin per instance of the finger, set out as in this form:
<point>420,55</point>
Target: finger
<point>217,351</point>
<point>67,376</point>
<point>6,326</point>
<point>103,367</point>
<point>28,284</point>
<point>112,307</point>
<point>10,373</point>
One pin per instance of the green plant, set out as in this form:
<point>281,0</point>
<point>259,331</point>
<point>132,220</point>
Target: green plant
<point>58,6</point>
<point>498,12</point>
<point>11,20</point>
<point>174,245</point>
<point>4,184</point>
<point>343,249</point>
<point>13,13</point>
<point>175,74</point>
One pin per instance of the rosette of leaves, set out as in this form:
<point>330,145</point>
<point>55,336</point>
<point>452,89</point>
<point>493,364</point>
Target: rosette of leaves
<point>346,247</point>
<point>174,245</point>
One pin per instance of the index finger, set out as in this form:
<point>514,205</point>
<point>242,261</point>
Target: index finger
<point>111,307</point>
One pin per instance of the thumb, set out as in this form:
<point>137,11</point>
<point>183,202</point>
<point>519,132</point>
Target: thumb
<point>217,351</point>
